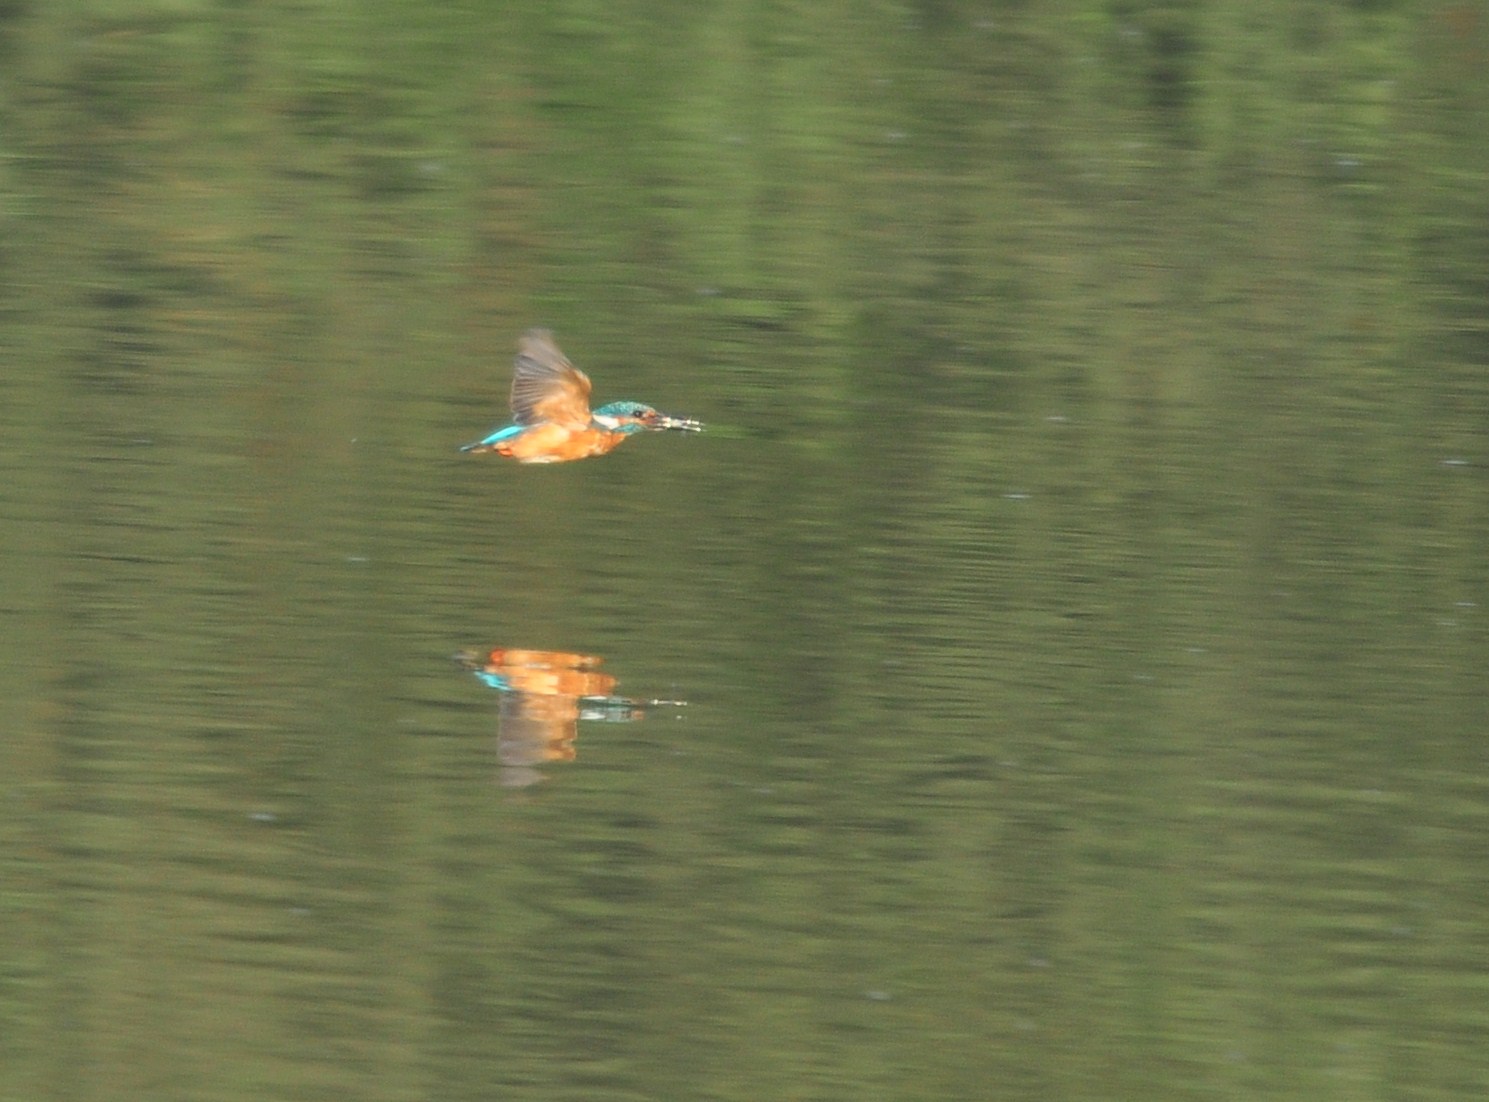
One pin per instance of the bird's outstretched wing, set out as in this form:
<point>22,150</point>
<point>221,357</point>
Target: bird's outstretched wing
<point>546,386</point>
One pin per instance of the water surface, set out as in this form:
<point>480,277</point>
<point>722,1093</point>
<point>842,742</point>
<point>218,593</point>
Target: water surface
<point>1078,596</point>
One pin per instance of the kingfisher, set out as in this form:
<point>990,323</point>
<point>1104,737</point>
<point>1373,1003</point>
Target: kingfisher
<point>545,693</point>
<point>551,418</point>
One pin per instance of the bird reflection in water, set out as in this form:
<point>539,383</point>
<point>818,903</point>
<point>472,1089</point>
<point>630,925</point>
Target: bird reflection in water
<point>545,694</point>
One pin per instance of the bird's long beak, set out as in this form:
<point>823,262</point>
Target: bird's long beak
<point>682,424</point>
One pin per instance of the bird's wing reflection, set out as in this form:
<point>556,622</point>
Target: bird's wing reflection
<point>544,696</point>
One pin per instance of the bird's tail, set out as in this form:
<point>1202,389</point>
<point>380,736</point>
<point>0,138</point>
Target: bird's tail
<point>489,443</point>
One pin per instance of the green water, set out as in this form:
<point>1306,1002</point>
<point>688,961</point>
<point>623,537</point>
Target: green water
<point>1079,599</point>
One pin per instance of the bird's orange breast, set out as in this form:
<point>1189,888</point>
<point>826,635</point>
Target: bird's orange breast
<point>550,443</point>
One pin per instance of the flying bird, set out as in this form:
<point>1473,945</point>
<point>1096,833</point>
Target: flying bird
<point>551,418</point>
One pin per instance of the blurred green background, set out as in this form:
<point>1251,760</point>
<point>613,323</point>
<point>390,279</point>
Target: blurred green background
<point>1079,593</point>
